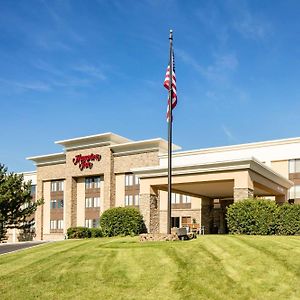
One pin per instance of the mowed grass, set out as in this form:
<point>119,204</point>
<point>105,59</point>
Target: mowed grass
<point>210,267</point>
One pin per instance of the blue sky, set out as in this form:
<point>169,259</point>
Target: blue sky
<point>75,68</point>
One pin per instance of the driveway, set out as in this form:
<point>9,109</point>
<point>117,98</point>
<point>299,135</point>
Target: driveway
<point>6,248</point>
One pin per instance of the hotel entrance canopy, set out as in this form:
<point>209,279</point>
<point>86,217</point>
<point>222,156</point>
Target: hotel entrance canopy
<point>235,179</point>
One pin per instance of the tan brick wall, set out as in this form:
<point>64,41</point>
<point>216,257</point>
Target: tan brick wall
<point>46,207</point>
<point>124,163</point>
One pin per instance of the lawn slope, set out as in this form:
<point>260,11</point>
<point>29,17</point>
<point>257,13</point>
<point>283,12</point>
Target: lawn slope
<point>210,267</point>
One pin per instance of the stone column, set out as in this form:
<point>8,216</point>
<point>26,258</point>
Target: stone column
<point>207,206</point>
<point>149,208</point>
<point>242,193</point>
<point>280,199</point>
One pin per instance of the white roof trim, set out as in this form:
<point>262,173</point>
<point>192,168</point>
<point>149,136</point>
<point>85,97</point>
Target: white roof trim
<point>236,147</point>
<point>110,135</point>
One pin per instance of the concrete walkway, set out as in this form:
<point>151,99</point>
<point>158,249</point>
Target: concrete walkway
<point>11,247</point>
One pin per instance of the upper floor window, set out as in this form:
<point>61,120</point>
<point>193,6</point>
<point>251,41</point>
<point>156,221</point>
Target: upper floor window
<point>186,199</point>
<point>57,186</point>
<point>294,166</point>
<point>294,192</point>
<point>175,198</point>
<point>33,189</point>
<point>131,179</point>
<point>92,202</point>
<point>132,200</point>
<point>56,204</point>
<point>92,182</point>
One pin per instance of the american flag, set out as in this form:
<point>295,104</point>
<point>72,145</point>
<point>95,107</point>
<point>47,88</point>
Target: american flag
<point>167,86</point>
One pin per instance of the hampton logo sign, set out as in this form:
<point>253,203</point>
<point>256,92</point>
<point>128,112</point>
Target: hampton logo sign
<point>85,161</point>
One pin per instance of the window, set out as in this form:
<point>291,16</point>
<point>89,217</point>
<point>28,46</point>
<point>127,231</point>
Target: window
<point>60,203</point>
<point>57,186</point>
<point>56,204</point>
<point>294,192</point>
<point>186,199</point>
<point>53,224</point>
<point>175,222</point>
<point>32,190</point>
<point>52,204</point>
<point>185,221</point>
<point>294,166</point>
<point>56,224</point>
<point>131,180</point>
<point>91,223</point>
<point>92,182</point>
<point>132,200</point>
<point>92,202</point>
<point>60,224</point>
<point>175,198</point>
<point>97,202</point>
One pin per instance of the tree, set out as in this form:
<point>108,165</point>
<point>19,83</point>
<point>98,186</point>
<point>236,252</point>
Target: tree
<point>16,205</point>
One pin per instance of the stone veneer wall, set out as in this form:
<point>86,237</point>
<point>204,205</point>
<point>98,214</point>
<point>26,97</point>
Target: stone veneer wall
<point>149,209</point>
<point>207,214</point>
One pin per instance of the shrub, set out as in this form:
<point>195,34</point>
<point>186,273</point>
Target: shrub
<point>253,216</point>
<point>289,219</point>
<point>96,232</point>
<point>78,232</point>
<point>122,221</point>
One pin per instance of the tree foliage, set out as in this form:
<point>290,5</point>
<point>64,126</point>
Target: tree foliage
<point>16,205</point>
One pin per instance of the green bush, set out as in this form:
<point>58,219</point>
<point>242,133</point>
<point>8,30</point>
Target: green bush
<point>289,219</point>
<point>253,216</point>
<point>78,233</point>
<point>96,232</point>
<point>122,221</point>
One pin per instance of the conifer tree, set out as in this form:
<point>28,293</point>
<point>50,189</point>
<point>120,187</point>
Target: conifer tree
<point>16,205</point>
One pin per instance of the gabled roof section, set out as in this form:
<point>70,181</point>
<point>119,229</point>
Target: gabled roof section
<point>157,144</point>
<point>103,139</point>
<point>50,159</point>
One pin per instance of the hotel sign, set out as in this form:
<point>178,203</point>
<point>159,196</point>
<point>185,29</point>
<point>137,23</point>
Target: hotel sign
<point>85,161</point>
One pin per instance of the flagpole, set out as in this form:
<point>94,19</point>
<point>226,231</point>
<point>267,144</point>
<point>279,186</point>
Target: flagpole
<point>169,221</point>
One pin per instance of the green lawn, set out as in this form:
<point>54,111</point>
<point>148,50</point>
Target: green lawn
<point>210,267</point>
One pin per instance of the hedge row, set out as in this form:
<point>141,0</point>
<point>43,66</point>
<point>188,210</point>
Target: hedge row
<point>113,222</point>
<point>83,232</point>
<point>263,217</point>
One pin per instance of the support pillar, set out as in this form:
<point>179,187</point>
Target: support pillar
<point>242,193</point>
<point>149,208</point>
<point>207,206</point>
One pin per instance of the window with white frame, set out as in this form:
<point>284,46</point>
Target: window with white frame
<point>175,198</point>
<point>56,224</point>
<point>91,223</point>
<point>186,199</point>
<point>294,166</point>
<point>131,180</point>
<point>131,200</point>
<point>92,182</point>
<point>92,202</point>
<point>294,192</point>
<point>57,186</point>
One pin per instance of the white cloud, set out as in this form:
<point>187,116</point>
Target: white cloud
<point>91,71</point>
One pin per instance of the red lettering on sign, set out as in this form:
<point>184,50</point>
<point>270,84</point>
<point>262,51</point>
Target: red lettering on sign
<point>85,161</point>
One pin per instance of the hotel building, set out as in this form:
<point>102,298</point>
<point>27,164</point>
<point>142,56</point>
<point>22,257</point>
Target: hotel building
<point>95,173</point>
